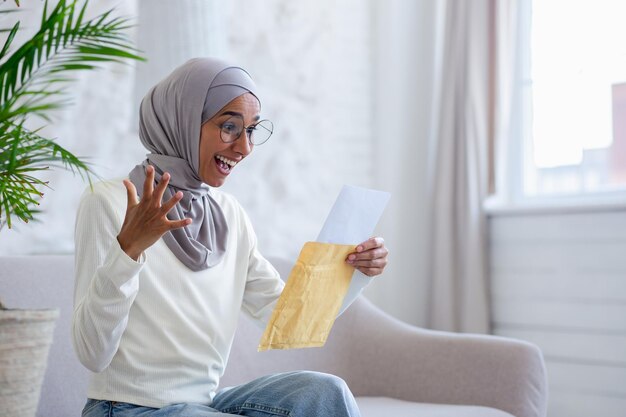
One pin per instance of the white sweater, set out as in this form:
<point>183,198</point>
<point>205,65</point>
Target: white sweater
<point>154,332</point>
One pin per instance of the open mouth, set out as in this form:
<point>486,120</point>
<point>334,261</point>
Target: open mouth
<point>224,164</point>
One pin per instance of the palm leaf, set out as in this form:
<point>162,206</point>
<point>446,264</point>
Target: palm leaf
<point>22,154</point>
<point>7,43</point>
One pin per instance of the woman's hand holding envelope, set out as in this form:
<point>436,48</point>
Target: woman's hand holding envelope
<point>370,257</point>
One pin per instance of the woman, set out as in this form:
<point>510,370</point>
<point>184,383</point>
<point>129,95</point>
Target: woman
<point>162,276</point>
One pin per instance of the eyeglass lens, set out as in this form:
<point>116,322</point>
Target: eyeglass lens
<point>257,133</point>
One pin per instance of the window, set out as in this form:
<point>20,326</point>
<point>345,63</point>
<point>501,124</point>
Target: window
<point>573,97</point>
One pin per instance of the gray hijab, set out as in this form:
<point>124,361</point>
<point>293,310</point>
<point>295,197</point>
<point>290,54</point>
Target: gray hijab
<point>170,119</point>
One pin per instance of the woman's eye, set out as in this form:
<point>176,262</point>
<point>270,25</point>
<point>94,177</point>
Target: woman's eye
<point>250,130</point>
<point>228,127</point>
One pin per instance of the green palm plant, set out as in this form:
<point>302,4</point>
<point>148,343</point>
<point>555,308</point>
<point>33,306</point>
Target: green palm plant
<point>33,82</point>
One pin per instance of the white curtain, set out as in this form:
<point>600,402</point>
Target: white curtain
<point>474,67</point>
<point>169,33</point>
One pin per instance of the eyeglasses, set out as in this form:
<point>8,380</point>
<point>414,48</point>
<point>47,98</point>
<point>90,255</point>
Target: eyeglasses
<point>257,133</point>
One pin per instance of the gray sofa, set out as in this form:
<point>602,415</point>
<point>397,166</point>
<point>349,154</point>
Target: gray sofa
<point>394,369</point>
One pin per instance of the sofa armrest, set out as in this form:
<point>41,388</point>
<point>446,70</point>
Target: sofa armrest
<point>391,358</point>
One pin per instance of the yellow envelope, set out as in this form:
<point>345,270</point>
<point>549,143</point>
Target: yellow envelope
<point>311,299</point>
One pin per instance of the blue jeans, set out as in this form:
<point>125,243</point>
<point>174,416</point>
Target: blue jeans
<point>294,394</point>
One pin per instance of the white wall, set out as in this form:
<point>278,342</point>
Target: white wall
<point>347,85</point>
<point>314,73</point>
<point>312,62</point>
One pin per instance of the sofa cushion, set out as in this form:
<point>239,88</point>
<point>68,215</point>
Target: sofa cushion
<point>386,407</point>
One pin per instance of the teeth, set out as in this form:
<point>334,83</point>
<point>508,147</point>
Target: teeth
<point>226,161</point>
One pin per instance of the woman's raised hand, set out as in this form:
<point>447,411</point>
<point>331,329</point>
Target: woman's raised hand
<point>146,221</point>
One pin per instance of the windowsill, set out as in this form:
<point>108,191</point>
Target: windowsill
<point>495,207</point>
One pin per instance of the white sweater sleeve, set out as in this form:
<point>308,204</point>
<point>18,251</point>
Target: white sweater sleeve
<point>263,283</point>
<point>106,283</point>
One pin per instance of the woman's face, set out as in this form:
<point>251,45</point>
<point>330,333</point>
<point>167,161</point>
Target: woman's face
<point>217,158</point>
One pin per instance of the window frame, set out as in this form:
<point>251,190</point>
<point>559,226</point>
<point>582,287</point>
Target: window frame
<point>510,193</point>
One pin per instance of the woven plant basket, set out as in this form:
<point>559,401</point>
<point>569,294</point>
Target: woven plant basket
<point>25,338</point>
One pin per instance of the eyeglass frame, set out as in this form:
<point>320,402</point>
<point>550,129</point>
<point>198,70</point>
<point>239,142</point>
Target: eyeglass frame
<point>244,129</point>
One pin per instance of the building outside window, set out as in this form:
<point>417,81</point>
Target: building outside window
<point>571,100</point>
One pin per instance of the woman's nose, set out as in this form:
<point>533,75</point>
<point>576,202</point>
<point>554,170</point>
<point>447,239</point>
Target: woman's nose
<point>242,145</point>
